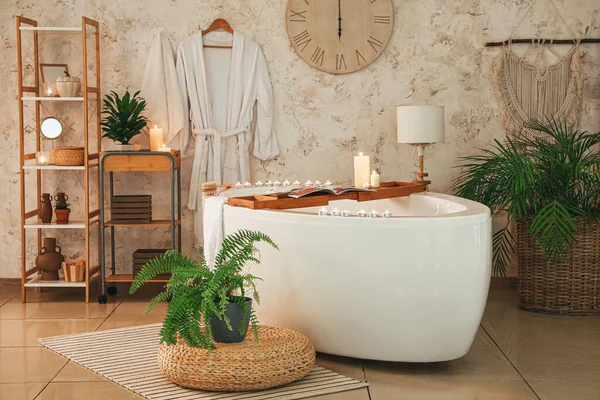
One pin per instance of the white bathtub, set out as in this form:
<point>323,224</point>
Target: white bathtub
<point>410,288</point>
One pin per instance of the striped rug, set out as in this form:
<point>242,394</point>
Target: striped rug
<point>128,357</point>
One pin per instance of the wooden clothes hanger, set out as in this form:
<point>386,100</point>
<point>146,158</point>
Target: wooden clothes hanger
<point>222,24</point>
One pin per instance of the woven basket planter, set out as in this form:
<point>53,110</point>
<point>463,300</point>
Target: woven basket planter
<point>68,156</point>
<point>570,287</point>
<point>280,357</point>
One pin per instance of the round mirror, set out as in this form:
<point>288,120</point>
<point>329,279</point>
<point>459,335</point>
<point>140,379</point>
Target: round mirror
<point>51,128</point>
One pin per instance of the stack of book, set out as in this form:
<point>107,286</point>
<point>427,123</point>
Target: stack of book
<point>141,258</point>
<point>135,209</point>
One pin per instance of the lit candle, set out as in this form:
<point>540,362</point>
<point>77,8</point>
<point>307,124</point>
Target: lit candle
<point>362,167</point>
<point>387,214</point>
<point>328,183</point>
<point>375,180</point>
<point>373,214</point>
<point>336,212</point>
<point>268,183</point>
<point>367,185</point>
<point>42,157</point>
<point>164,148</point>
<point>276,183</point>
<point>323,211</point>
<point>346,213</point>
<point>238,185</point>
<point>308,183</point>
<point>317,183</point>
<point>259,184</point>
<point>361,213</point>
<point>247,185</point>
<point>156,138</point>
<point>287,183</point>
<point>297,183</point>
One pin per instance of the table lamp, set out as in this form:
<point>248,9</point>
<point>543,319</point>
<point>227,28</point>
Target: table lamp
<point>420,126</point>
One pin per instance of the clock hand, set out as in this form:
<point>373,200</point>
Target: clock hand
<point>340,19</point>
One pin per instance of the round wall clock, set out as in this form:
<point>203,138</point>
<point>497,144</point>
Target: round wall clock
<point>339,36</point>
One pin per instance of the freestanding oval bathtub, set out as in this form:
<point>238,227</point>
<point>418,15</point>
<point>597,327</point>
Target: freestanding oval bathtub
<point>410,288</point>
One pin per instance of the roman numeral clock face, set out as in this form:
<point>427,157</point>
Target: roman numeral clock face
<point>339,36</point>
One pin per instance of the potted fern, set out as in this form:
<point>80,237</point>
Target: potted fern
<point>123,119</point>
<point>546,181</point>
<point>205,304</point>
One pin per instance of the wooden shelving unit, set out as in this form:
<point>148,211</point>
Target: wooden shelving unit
<point>30,93</point>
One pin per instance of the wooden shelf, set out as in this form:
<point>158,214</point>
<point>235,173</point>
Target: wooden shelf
<point>53,225</point>
<point>36,98</point>
<point>128,278</point>
<point>158,222</point>
<point>56,167</point>
<point>37,281</point>
<point>69,29</point>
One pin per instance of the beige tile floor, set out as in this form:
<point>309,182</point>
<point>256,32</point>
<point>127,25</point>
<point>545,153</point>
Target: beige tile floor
<point>516,355</point>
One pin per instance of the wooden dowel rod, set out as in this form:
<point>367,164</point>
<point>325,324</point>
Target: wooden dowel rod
<point>545,41</point>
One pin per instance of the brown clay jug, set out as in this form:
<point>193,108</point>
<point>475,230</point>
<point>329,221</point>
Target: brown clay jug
<point>61,198</point>
<point>50,260</point>
<point>45,213</point>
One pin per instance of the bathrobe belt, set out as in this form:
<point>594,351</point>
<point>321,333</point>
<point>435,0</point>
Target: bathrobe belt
<point>200,166</point>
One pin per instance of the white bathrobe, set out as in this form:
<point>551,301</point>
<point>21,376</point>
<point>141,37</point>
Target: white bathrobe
<point>228,97</point>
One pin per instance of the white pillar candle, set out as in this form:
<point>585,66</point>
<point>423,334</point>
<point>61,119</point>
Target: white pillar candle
<point>375,180</point>
<point>156,138</point>
<point>362,167</point>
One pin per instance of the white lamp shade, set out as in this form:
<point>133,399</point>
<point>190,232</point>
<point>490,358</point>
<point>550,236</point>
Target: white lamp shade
<point>421,124</point>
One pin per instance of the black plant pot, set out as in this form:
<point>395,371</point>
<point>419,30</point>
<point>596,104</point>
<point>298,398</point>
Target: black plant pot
<point>222,334</point>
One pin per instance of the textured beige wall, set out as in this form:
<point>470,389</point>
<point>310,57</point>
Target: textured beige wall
<point>436,56</point>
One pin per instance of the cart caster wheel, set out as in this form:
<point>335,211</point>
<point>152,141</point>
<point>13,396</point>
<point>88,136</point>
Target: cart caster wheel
<point>102,299</point>
<point>111,291</point>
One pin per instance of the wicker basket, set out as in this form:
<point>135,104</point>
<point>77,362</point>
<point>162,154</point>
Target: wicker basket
<point>68,155</point>
<point>571,287</point>
<point>280,357</point>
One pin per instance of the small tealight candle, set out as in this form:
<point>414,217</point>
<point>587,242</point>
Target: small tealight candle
<point>42,157</point>
<point>276,183</point>
<point>361,213</point>
<point>238,185</point>
<point>297,183</point>
<point>317,183</point>
<point>328,183</point>
<point>387,214</point>
<point>336,212</point>
<point>165,149</point>
<point>259,184</point>
<point>323,211</point>
<point>247,185</point>
<point>346,213</point>
<point>286,183</point>
<point>373,214</point>
<point>308,183</point>
<point>268,183</point>
<point>367,186</point>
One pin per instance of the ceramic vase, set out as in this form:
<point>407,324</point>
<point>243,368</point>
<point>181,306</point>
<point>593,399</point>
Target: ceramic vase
<point>61,199</point>
<point>50,260</point>
<point>45,213</point>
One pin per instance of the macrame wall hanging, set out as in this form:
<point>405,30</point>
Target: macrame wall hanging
<point>537,90</point>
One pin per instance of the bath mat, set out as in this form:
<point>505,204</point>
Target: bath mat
<point>128,357</point>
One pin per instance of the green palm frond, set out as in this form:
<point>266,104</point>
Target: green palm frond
<point>198,293</point>
<point>552,177</point>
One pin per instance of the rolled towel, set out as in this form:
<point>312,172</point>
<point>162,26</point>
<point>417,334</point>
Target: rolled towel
<point>213,227</point>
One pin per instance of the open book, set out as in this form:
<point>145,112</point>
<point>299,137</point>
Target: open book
<point>325,189</point>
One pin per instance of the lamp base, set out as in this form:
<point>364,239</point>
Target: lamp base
<point>419,178</point>
<point>420,174</point>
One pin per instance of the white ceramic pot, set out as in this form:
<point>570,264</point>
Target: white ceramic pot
<point>127,147</point>
<point>68,86</point>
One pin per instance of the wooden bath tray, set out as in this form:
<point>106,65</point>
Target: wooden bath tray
<point>388,190</point>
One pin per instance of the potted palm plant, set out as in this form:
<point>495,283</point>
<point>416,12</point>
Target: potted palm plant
<point>205,304</point>
<point>546,181</point>
<point>123,119</point>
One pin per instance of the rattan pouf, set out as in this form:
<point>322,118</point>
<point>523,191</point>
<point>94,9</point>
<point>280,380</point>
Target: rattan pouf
<point>280,357</point>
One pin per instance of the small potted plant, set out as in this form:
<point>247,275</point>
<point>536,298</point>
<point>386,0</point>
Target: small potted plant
<point>62,212</point>
<point>208,305</point>
<point>123,119</point>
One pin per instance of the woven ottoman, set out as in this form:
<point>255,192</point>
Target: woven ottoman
<point>280,357</point>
